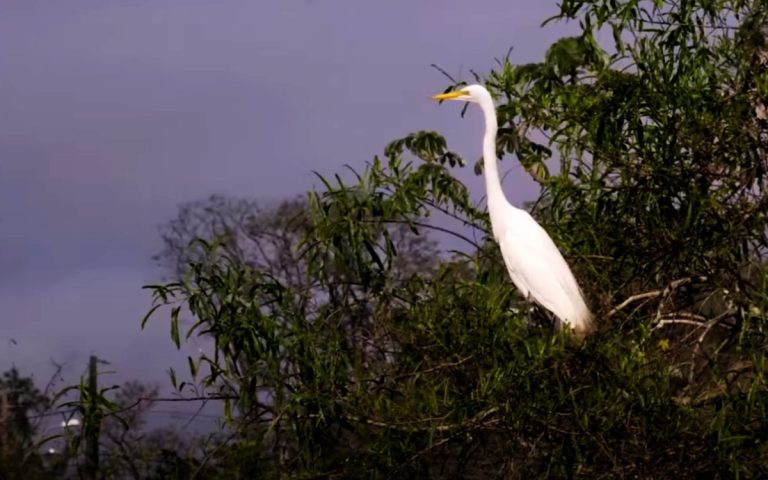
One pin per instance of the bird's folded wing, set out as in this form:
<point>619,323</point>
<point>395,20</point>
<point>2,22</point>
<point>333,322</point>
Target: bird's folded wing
<point>536,264</point>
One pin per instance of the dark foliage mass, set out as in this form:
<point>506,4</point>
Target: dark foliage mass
<point>20,403</point>
<point>347,344</point>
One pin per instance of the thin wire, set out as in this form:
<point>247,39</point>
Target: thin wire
<point>138,401</point>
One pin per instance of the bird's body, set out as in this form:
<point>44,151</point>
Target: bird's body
<point>539,271</point>
<point>535,265</point>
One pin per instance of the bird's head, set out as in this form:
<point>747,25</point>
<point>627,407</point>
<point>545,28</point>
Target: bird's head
<point>470,93</point>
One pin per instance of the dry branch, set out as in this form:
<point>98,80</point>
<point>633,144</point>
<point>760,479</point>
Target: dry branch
<point>664,293</point>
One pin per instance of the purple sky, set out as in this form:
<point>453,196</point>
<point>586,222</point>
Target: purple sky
<point>114,112</point>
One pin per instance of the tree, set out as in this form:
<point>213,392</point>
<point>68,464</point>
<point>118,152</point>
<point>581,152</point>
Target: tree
<point>658,199</point>
<point>20,402</point>
<point>129,447</point>
<point>131,450</point>
<point>267,239</point>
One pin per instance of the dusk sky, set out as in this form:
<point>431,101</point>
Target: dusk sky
<point>116,111</point>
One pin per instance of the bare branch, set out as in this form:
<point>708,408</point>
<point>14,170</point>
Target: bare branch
<point>655,293</point>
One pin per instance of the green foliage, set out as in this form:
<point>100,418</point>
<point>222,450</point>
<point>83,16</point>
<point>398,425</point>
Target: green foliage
<point>380,356</point>
<point>664,147</point>
<point>116,417</point>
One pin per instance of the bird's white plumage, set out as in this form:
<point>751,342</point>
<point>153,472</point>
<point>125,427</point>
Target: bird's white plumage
<point>538,269</point>
<point>535,265</point>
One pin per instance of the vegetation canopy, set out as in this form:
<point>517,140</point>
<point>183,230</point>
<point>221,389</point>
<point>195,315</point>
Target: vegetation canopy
<point>346,343</point>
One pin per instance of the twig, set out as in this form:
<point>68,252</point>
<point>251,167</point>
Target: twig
<point>684,318</point>
<point>670,288</point>
<point>431,227</point>
<point>666,23</point>
<point>474,422</point>
<point>633,299</point>
<point>404,426</point>
<point>739,369</point>
<point>195,415</point>
<point>699,341</point>
<point>207,457</point>
<point>654,294</point>
<point>678,321</point>
<point>441,70</point>
<point>174,399</point>
<point>433,369</point>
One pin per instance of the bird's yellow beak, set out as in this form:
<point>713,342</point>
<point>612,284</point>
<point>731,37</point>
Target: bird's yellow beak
<point>456,94</point>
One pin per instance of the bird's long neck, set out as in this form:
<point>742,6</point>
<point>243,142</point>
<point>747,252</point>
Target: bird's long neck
<point>490,163</point>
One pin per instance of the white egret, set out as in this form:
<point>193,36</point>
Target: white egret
<point>533,261</point>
